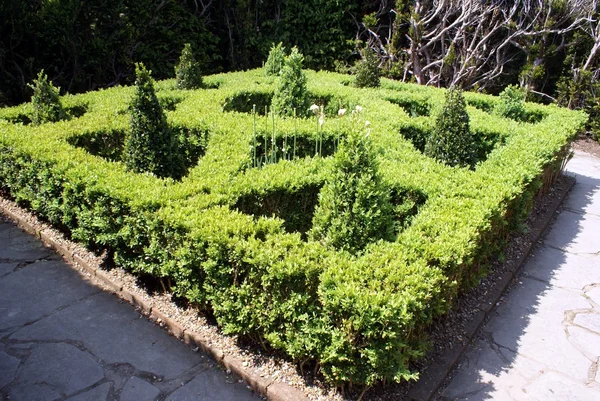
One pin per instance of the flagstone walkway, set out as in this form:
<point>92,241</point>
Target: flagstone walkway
<point>61,338</point>
<point>543,342</point>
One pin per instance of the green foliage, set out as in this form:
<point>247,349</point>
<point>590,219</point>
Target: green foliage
<point>291,95</point>
<point>275,60</point>
<point>229,236</point>
<point>151,145</point>
<point>581,93</point>
<point>451,140</point>
<point>367,70</point>
<point>511,103</point>
<point>188,73</point>
<point>45,101</point>
<point>84,47</point>
<point>354,206</point>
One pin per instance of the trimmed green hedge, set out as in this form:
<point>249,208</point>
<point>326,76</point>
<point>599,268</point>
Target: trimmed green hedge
<point>230,237</point>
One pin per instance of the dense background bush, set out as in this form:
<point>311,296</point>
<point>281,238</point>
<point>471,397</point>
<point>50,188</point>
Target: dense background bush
<point>88,45</point>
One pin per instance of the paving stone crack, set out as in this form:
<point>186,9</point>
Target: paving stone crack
<point>59,309</point>
<point>88,388</point>
<point>534,278</point>
<point>580,212</point>
<point>489,338</point>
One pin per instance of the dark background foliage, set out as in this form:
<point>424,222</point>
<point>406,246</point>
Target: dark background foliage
<point>552,50</point>
<point>85,45</point>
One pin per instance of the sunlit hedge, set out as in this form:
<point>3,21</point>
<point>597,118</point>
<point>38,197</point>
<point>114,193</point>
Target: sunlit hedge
<point>230,236</point>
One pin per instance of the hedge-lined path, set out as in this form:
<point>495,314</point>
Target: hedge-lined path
<point>543,341</point>
<point>61,338</point>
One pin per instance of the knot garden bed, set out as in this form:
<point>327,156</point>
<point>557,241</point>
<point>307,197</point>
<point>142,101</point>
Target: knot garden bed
<point>230,235</point>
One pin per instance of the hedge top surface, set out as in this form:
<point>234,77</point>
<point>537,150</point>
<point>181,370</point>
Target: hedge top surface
<point>230,233</point>
<point>225,172</point>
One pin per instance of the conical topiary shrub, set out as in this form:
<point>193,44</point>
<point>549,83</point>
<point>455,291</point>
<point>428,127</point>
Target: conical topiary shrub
<point>187,72</point>
<point>451,140</point>
<point>275,60</point>
<point>367,70</point>
<point>150,146</point>
<point>291,93</point>
<point>354,206</point>
<point>45,101</point>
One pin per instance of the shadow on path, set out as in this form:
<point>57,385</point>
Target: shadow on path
<point>543,341</point>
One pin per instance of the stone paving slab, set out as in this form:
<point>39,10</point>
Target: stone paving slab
<point>593,295</point>
<point>578,234</point>
<point>18,247</point>
<point>561,269</point>
<point>197,389</point>
<point>41,288</point>
<point>553,386</point>
<point>543,342</point>
<point>6,268</point>
<point>531,322</point>
<point>8,367</point>
<point>137,389</point>
<point>112,331</point>
<point>64,366</point>
<point>63,339</point>
<point>585,196</point>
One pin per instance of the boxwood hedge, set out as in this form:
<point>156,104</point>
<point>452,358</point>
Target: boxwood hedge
<point>230,235</point>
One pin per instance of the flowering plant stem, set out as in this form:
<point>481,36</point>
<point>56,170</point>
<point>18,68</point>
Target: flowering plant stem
<point>254,163</point>
<point>295,130</point>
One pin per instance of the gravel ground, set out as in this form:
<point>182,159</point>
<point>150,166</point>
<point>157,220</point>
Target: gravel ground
<point>444,332</point>
<point>588,145</point>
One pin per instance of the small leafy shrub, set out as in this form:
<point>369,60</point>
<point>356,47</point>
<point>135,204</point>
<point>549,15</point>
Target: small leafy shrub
<point>511,103</point>
<point>45,101</point>
<point>451,140</point>
<point>151,146</point>
<point>367,70</point>
<point>275,60</point>
<point>291,96</point>
<point>354,206</point>
<point>187,72</point>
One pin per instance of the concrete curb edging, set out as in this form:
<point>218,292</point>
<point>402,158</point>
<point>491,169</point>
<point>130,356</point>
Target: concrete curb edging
<point>272,389</point>
<point>431,380</point>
